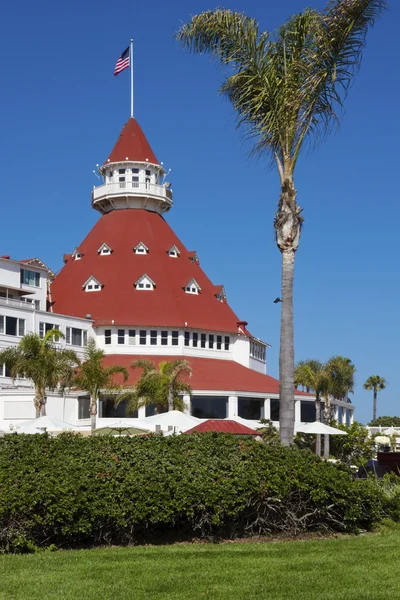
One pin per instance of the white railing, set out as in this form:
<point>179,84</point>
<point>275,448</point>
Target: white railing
<point>16,303</point>
<point>132,188</point>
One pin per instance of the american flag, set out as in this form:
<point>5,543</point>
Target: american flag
<point>122,62</point>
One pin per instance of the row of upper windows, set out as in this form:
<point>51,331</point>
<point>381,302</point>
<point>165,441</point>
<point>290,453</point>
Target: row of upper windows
<point>120,175</point>
<point>257,351</point>
<point>203,340</point>
<point>140,248</point>
<point>153,337</point>
<point>17,327</point>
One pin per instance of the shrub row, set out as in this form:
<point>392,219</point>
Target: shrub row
<point>72,491</point>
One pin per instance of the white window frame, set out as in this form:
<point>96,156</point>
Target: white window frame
<point>141,248</point>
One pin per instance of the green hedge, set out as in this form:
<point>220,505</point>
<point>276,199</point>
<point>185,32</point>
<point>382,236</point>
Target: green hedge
<point>73,491</point>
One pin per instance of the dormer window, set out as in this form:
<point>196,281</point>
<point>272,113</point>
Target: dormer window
<point>76,255</point>
<point>173,252</point>
<point>144,283</point>
<point>141,248</point>
<point>192,287</point>
<point>219,293</point>
<point>92,285</point>
<point>194,258</point>
<point>104,250</point>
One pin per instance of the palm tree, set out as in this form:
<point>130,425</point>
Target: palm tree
<point>41,361</point>
<point>94,378</point>
<point>162,386</point>
<point>375,383</point>
<point>313,376</point>
<point>286,88</point>
<point>341,373</point>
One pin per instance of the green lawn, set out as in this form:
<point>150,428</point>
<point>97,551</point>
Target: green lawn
<point>353,568</point>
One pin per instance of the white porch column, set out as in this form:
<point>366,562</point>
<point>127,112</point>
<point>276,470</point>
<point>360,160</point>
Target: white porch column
<point>351,417</point>
<point>142,412</point>
<point>232,406</point>
<point>297,411</point>
<point>186,402</point>
<point>267,408</point>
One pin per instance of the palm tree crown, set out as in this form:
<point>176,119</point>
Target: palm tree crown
<point>42,361</point>
<point>375,383</point>
<point>162,385</point>
<point>286,88</point>
<point>94,377</point>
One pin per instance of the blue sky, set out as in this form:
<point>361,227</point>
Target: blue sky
<point>62,111</point>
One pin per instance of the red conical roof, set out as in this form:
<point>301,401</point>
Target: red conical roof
<point>119,301</point>
<point>132,145</point>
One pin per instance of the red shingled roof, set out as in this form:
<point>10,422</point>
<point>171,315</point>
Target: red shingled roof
<point>208,374</point>
<point>165,306</point>
<point>132,145</point>
<point>222,426</point>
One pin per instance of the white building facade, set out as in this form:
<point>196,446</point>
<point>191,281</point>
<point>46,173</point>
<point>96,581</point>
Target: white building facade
<point>134,287</point>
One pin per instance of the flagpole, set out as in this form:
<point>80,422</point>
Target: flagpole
<point>131,63</point>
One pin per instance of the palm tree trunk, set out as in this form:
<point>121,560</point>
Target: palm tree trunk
<point>287,225</point>
<point>93,412</point>
<point>286,354</point>
<point>327,419</point>
<point>170,399</point>
<point>374,406</point>
<point>43,410</point>
<point>318,418</point>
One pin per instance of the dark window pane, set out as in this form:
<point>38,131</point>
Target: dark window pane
<point>175,338</point>
<point>209,407</point>
<point>107,336</point>
<point>195,339</point>
<point>219,342</point>
<point>153,337</point>
<point>187,338</point>
<point>203,340</point>
<point>11,325</point>
<point>83,407</point>
<point>76,337</point>
<point>274,410</point>
<point>109,409</point>
<point>121,336</point>
<point>142,337</point>
<point>164,338</point>
<point>307,412</point>
<point>226,342</point>
<point>211,341</point>
<point>250,408</point>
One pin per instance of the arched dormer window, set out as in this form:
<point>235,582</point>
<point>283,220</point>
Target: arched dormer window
<point>192,287</point>
<point>104,250</point>
<point>92,285</point>
<point>76,255</point>
<point>174,252</point>
<point>141,248</point>
<point>144,283</point>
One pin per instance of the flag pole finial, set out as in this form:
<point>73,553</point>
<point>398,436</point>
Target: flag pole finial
<point>131,65</point>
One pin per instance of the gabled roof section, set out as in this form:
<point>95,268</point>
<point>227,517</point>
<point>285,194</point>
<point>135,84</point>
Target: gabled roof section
<point>222,426</point>
<point>141,248</point>
<point>132,145</point>
<point>76,255</point>
<point>36,262</point>
<point>92,281</point>
<point>104,249</point>
<point>192,255</point>
<point>174,251</point>
<point>219,293</point>
<point>192,287</point>
<point>146,280</point>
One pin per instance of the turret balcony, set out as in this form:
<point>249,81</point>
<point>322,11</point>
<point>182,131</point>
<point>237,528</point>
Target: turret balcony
<point>132,194</point>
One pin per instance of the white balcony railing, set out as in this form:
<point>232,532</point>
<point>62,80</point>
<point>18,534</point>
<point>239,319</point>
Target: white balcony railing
<point>132,188</point>
<point>12,303</point>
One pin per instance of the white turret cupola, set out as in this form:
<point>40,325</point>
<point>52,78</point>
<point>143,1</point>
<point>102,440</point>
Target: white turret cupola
<point>133,177</point>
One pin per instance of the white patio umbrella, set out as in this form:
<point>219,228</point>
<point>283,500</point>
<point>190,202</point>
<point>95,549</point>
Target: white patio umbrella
<point>318,428</point>
<point>391,431</point>
<point>42,424</point>
<point>176,419</point>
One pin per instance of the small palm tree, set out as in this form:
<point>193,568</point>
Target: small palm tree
<point>162,386</point>
<point>286,88</point>
<point>94,378</point>
<point>312,375</point>
<point>41,361</point>
<point>375,383</point>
